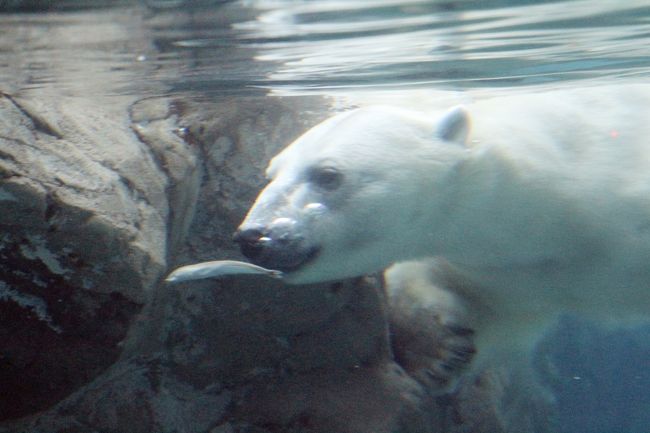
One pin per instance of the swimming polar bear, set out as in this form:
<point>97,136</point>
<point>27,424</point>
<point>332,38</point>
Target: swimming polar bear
<point>498,216</point>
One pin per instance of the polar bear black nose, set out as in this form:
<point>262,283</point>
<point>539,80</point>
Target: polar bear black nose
<point>276,246</point>
<point>249,242</point>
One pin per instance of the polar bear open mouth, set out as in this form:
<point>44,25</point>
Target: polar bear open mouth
<point>282,253</point>
<point>283,260</point>
<point>298,262</point>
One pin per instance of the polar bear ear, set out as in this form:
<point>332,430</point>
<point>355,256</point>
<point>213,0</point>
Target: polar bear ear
<point>454,125</point>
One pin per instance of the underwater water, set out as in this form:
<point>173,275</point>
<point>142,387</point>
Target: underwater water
<point>214,50</point>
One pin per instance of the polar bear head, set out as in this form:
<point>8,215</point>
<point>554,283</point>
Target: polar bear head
<point>355,193</point>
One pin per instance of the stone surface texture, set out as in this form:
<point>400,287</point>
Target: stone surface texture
<point>83,242</point>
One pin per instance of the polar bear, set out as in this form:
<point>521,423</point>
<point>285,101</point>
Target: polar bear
<point>498,216</point>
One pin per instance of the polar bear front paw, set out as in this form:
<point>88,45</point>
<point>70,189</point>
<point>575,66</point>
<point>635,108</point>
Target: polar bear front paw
<point>429,337</point>
<point>433,353</point>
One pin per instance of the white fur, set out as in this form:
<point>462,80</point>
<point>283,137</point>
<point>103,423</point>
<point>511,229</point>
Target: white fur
<point>541,207</point>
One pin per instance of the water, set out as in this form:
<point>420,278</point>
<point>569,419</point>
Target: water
<point>332,44</point>
<point>292,47</point>
<point>211,50</point>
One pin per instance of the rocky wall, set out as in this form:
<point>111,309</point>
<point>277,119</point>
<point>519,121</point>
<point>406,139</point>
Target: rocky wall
<point>82,243</point>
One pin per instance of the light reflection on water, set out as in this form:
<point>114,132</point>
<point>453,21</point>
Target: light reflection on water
<point>213,48</point>
<point>423,43</point>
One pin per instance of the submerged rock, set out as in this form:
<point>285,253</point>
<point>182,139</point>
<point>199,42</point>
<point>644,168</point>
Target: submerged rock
<point>83,241</point>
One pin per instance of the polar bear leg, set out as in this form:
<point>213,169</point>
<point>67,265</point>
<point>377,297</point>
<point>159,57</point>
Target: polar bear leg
<point>429,333</point>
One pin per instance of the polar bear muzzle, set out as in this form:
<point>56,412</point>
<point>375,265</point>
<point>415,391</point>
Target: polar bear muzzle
<point>275,247</point>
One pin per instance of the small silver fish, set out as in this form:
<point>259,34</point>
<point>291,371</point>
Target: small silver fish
<point>218,268</point>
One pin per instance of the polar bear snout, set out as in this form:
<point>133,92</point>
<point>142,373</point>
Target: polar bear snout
<point>251,242</point>
<point>274,247</point>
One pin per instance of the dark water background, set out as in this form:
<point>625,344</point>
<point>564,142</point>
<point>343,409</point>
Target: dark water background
<point>213,50</point>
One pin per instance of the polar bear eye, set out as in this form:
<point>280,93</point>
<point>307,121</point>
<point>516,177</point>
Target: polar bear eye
<point>327,178</point>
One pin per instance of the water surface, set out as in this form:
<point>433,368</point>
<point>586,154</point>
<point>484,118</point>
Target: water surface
<point>251,47</point>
